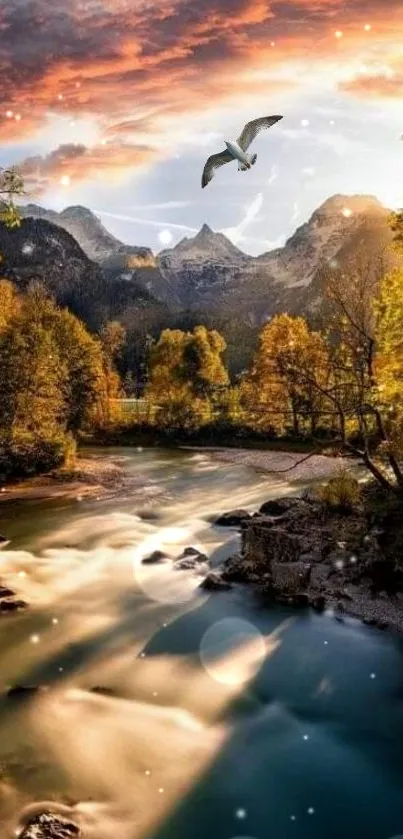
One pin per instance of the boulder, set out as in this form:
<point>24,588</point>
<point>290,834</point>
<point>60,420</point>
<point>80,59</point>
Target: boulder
<point>318,602</point>
<point>6,592</point>
<point>12,605</point>
<point>191,552</point>
<point>189,563</point>
<point>264,544</point>
<point>234,518</point>
<point>214,582</point>
<point>277,507</point>
<point>189,559</point>
<point>234,569</point>
<point>289,578</point>
<point>23,691</point>
<point>49,826</point>
<point>103,691</point>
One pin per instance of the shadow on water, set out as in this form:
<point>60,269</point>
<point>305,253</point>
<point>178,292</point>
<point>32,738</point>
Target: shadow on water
<point>305,756</point>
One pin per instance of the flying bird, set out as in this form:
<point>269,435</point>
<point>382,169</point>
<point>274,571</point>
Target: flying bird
<point>236,149</point>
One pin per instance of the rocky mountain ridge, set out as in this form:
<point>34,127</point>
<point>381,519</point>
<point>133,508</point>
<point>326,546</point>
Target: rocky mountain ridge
<point>208,273</point>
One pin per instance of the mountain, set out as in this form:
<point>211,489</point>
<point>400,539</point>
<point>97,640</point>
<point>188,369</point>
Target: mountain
<point>208,274</point>
<point>200,268</point>
<point>42,251</point>
<point>320,239</point>
<point>203,279</point>
<point>90,233</point>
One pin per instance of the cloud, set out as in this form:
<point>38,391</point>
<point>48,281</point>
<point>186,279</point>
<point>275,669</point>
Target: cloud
<point>296,212</point>
<point>75,162</point>
<point>147,222</point>
<point>149,75</point>
<point>236,234</point>
<point>273,174</point>
<point>382,86</point>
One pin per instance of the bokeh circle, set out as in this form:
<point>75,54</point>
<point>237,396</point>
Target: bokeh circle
<point>232,651</point>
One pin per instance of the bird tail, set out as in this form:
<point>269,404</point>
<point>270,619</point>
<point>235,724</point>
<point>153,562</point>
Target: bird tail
<point>251,158</point>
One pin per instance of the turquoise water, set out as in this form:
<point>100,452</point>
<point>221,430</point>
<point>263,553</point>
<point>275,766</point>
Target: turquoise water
<point>219,717</point>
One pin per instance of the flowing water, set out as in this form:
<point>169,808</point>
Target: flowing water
<point>217,717</point>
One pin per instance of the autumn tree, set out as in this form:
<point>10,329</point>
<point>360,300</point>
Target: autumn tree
<point>32,404</point>
<point>275,389</point>
<point>106,411</point>
<point>50,373</point>
<point>357,316</point>
<point>185,372</point>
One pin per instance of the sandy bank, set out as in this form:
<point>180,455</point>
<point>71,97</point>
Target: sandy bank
<point>95,476</point>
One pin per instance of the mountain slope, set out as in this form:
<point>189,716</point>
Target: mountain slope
<point>42,251</point>
<point>200,268</point>
<point>207,273</point>
<point>89,232</point>
<point>320,239</point>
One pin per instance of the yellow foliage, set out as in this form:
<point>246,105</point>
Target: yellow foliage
<point>341,492</point>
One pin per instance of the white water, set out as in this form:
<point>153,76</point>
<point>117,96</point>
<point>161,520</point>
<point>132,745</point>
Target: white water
<point>210,697</point>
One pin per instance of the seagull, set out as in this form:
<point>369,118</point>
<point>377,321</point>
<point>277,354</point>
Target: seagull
<point>236,150</point>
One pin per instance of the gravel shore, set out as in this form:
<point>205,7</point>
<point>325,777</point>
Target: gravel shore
<point>293,466</point>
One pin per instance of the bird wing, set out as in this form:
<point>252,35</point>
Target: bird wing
<point>251,129</point>
<point>213,162</point>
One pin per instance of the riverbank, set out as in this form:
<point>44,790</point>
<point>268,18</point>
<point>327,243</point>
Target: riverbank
<point>94,476</point>
<point>293,465</point>
<point>299,552</point>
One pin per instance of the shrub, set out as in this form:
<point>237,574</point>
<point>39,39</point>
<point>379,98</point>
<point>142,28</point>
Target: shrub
<point>27,454</point>
<point>341,493</point>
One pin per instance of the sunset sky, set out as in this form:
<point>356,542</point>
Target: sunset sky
<point>116,104</point>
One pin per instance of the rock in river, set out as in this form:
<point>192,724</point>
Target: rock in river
<point>233,518</point>
<point>190,558</point>
<point>49,826</point>
<point>214,582</point>
<point>156,556</point>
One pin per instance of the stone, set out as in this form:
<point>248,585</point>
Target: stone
<point>50,826</point>
<point>190,558</point>
<point>214,582</point>
<point>6,592</point>
<point>20,691</point>
<point>234,518</point>
<point>12,605</point>
<point>156,556</point>
<point>191,552</point>
<point>318,602</point>
<point>290,578</point>
<point>234,569</point>
<point>103,691</point>
<point>191,562</point>
<point>270,544</point>
<point>278,507</point>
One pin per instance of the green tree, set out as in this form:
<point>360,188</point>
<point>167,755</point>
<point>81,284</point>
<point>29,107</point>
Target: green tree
<point>11,186</point>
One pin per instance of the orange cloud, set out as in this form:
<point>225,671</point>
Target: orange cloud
<point>380,86</point>
<point>116,59</point>
<point>70,163</point>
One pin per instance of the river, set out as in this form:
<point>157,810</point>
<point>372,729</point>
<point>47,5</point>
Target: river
<point>218,717</point>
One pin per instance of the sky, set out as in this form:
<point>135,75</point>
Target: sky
<point>116,105</point>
